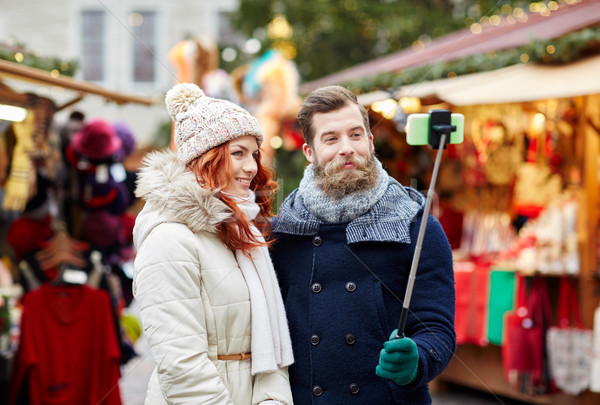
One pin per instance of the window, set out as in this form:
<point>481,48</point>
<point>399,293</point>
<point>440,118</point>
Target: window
<point>93,27</point>
<point>227,34</point>
<point>144,45</point>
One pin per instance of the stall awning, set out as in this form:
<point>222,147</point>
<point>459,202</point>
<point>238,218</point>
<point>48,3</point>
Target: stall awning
<point>10,70</point>
<point>519,83</point>
<point>464,43</point>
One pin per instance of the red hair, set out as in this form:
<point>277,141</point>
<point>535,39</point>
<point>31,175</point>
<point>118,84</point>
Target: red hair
<point>236,233</point>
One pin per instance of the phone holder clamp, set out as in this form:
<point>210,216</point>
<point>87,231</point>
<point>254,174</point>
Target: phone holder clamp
<point>440,123</point>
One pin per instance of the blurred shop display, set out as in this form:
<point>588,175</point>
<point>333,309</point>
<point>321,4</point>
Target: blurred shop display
<point>519,201</point>
<point>67,220</point>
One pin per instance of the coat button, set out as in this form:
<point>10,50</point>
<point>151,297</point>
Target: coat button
<point>315,339</point>
<point>354,388</point>
<point>350,286</point>
<point>434,353</point>
<point>317,390</point>
<point>316,288</point>
<point>350,339</point>
<point>317,241</point>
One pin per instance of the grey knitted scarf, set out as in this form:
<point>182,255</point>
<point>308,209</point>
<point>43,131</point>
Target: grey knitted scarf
<point>346,208</point>
<point>388,220</point>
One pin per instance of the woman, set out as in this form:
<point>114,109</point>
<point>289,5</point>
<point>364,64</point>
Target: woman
<point>209,300</point>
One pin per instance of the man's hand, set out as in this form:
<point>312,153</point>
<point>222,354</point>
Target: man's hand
<point>398,360</point>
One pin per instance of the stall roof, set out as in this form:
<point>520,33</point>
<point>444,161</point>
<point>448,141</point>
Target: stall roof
<point>519,83</point>
<point>10,70</point>
<point>464,43</point>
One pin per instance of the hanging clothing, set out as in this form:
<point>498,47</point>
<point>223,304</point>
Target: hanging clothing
<point>68,351</point>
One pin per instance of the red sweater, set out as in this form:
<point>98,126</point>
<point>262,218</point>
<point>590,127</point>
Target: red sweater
<point>69,349</point>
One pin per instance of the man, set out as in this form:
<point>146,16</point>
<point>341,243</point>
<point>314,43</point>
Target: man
<point>345,243</point>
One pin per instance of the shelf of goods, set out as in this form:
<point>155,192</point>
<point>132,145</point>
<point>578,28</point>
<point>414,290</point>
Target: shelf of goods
<point>530,204</point>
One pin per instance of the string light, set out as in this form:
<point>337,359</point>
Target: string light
<point>386,108</point>
<point>495,20</point>
<point>410,104</point>
<point>418,45</point>
<point>12,113</point>
<point>476,28</point>
<point>553,6</point>
<point>276,142</point>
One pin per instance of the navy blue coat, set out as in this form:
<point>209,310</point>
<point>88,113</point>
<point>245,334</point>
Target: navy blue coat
<point>344,300</point>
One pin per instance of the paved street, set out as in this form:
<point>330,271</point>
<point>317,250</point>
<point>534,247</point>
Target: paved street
<point>135,375</point>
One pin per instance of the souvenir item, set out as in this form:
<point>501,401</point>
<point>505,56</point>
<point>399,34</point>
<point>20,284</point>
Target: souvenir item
<point>524,346</point>
<point>569,343</point>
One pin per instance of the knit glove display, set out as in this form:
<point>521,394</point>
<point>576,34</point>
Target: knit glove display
<point>398,360</point>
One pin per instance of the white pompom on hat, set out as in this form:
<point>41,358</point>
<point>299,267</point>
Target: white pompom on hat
<point>202,122</point>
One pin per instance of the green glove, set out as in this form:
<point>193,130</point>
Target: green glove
<point>398,360</point>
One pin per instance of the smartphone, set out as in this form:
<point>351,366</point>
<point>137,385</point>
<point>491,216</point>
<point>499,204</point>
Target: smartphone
<point>417,128</point>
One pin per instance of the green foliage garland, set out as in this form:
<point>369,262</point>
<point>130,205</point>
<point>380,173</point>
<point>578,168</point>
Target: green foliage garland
<point>64,67</point>
<point>568,48</point>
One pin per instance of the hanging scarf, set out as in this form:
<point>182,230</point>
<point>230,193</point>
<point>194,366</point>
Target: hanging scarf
<point>348,207</point>
<point>271,343</point>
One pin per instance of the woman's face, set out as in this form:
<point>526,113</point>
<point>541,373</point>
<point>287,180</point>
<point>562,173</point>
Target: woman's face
<point>243,163</point>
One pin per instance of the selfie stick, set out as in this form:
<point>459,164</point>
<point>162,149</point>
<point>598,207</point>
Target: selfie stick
<point>439,130</point>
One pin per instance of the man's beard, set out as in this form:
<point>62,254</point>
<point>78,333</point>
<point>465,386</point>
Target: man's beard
<point>336,182</point>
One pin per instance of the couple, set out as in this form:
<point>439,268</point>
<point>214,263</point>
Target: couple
<point>230,298</point>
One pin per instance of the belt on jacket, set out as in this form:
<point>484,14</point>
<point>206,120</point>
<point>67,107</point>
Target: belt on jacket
<point>241,356</point>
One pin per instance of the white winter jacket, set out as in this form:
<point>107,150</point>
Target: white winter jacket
<point>194,302</point>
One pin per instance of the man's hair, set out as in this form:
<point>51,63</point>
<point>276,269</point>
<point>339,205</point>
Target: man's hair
<point>324,100</point>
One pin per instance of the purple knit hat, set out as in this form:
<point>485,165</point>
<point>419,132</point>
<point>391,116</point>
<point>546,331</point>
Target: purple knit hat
<point>102,229</point>
<point>124,133</point>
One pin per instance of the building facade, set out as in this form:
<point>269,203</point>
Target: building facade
<point>120,45</point>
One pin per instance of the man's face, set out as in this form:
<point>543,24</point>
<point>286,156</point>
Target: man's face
<point>339,134</point>
<point>342,153</point>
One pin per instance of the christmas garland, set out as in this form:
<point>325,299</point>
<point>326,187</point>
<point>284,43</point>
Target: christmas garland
<point>18,54</point>
<point>566,49</point>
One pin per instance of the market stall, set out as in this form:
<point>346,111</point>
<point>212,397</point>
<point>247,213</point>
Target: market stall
<point>519,201</point>
<point>64,230</point>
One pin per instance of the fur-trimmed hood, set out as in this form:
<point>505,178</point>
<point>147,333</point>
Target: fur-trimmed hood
<point>172,194</point>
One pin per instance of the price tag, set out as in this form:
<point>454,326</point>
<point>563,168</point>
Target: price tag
<point>102,174</point>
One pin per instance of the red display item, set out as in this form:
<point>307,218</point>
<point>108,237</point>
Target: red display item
<point>26,235</point>
<point>96,140</point>
<point>472,282</point>
<point>524,345</point>
<point>69,351</point>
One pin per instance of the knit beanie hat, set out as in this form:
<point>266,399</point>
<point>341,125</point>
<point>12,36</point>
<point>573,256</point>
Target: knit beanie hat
<point>202,122</point>
<point>124,133</point>
<point>96,140</point>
